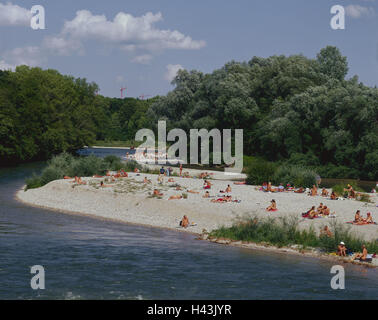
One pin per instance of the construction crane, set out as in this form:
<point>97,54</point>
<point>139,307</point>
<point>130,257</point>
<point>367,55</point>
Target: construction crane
<point>142,96</point>
<point>122,89</point>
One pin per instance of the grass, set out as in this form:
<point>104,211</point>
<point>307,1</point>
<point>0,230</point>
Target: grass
<point>284,231</point>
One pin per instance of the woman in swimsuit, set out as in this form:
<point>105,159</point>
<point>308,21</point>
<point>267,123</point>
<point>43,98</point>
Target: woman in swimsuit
<point>178,197</point>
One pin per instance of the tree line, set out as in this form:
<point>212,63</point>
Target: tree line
<point>294,110</point>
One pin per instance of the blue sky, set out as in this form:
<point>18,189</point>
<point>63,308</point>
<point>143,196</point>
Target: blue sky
<point>150,39</point>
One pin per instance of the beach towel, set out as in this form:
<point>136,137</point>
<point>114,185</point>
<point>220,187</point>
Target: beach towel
<point>360,224</point>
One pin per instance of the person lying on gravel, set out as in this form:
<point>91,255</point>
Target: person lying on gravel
<point>192,191</point>
<point>102,185</point>
<point>177,197</point>
<point>157,193</point>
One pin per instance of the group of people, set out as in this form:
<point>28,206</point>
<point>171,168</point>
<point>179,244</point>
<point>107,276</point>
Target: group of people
<point>359,220</point>
<point>321,211</point>
<point>342,251</point>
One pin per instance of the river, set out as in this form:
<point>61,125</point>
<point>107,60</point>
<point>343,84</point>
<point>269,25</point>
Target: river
<point>86,258</point>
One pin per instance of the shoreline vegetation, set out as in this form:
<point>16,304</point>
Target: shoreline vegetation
<point>131,200</point>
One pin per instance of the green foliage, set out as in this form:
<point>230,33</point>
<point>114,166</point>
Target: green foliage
<point>339,188</point>
<point>292,109</point>
<point>67,165</point>
<point>295,175</point>
<point>284,231</point>
<point>260,171</point>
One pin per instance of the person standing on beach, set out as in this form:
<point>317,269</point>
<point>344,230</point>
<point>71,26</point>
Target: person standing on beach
<point>180,169</point>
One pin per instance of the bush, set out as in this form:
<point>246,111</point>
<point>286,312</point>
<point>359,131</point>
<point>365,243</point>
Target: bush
<point>339,188</point>
<point>67,165</point>
<point>295,175</point>
<point>260,171</point>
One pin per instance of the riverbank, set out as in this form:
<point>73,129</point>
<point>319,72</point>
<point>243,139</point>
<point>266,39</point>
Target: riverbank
<point>129,200</point>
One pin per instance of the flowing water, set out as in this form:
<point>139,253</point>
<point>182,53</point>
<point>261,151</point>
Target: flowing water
<point>86,258</point>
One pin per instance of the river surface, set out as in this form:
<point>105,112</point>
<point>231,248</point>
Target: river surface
<point>86,258</point>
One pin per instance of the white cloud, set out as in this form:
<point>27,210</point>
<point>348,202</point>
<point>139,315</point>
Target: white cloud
<point>30,56</point>
<point>143,59</point>
<point>14,15</point>
<point>172,70</point>
<point>126,31</point>
<point>6,66</point>
<point>62,46</point>
<point>357,11</point>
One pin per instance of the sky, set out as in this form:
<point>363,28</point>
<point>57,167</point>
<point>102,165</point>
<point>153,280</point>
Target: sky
<point>140,45</point>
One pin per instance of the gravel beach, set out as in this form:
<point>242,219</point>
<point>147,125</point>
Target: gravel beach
<point>130,200</point>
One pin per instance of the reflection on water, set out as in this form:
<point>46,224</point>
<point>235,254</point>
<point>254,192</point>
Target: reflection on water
<point>92,259</point>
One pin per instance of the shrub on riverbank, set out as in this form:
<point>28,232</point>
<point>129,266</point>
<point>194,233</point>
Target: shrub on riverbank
<point>284,231</point>
<point>260,171</point>
<point>68,165</point>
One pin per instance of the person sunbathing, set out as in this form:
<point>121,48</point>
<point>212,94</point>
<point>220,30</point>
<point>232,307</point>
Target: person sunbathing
<point>192,191</point>
<point>362,256</point>
<point>67,177</point>
<point>333,196</point>
<point>145,180</point>
<point>178,188</point>
<point>310,213</point>
<point>239,183</point>
<point>176,197</point>
<point>228,189</point>
<point>223,199</point>
<point>369,219</point>
<point>171,180</point>
<point>326,232</point>
<point>269,187</point>
<point>136,170</point>
<point>264,187</point>
<point>273,206</point>
<point>280,188</point>
<point>206,195</point>
<point>324,192</point>
<point>123,173</point>
<point>79,181</point>
<point>102,185</point>
<point>184,223</point>
<point>97,176</point>
<point>357,218</point>
<point>319,209</point>
<point>314,191</point>
<point>341,249</point>
<point>207,184</point>
<point>349,189</point>
<point>157,193</point>
<point>326,211</point>
<point>300,190</point>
